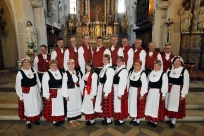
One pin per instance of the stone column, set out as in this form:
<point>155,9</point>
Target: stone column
<point>39,22</point>
<point>159,30</point>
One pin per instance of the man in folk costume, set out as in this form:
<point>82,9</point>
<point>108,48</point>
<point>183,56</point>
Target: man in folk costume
<point>85,53</point>
<point>151,57</point>
<point>167,57</point>
<point>72,53</point>
<point>28,90</point>
<point>155,103</point>
<point>127,53</point>
<point>58,54</point>
<point>178,89</point>
<point>139,53</point>
<point>120,92</point>
<point>137,93</point>
<point>98,55</point>
<point>104,97</point>
<point>72,92</point>
<point>90,88</point>
<point>115,50</point>
<point>52,92</point>
<point>41,61</point>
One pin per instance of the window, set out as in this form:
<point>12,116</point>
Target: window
<point>72,6</point>
<point>121,6</point>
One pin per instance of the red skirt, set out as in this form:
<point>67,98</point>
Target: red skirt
<point>107,106</point>
<point>21,113</point>
<point>124,108</point>
<point>181,111</point>
<point>48,112</point>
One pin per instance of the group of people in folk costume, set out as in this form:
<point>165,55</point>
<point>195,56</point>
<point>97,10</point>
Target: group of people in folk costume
<point>116,82</point>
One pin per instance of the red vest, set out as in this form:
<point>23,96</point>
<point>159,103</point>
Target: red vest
<point>137,54</point>
<point>43,65</point>
<point>73,55</point>
<point>125,52</point>
<point>60,58</point>
<point>98,56</point>
<point>87,53</point>
<point>166,63</point>
<point>149,64</point>
<point>114,54</point>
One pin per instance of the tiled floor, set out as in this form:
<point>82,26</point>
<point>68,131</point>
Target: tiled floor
<point>14,128</point>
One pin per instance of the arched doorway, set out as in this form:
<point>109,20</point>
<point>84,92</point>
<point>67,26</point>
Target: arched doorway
<point>8,46</point>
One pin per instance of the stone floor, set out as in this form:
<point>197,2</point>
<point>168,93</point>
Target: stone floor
<point>18,128</point>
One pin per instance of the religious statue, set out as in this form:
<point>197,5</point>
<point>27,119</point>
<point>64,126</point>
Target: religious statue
<point>124,24</point>
<point>49,8</point>
<point>201,19</point>
<point>31,33</point>
<point>186,17</point>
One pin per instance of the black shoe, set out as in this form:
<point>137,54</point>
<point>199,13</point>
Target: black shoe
<point>118,123</point>
<point>149,123</point>
<point>28,126</point>
<point>36,122</point>
<point>168,122</point>
<point>132,122</point>
<point>136,123</point>
<point>116,120</point>
<point>103,121</point>
<point>56,124</point>
<point>88,123</point>
<point>154,125</point>
<point>106,123</point>
<point>171,125</point>
<point>61,122</point>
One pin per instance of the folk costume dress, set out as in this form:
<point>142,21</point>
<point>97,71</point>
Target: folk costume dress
<point>71,88</point>
<point>178,86</point>
<point>105,88</point>
<point>120,90</point>
<point>137,87</point>
<point>28,89</point>
<point>52,89</point>
<point>89,93</point>
<point>158,87</point>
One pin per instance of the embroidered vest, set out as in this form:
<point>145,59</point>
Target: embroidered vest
<point>28,82</point>
<point>98,56</point>
<point>43,65</point>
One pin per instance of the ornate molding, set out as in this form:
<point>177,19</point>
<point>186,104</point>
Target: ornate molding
<point>36,3</point>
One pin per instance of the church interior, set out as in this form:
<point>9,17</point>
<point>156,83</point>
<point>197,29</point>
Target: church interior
<point>27,24</point>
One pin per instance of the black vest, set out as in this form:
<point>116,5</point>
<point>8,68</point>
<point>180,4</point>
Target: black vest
<point>70,82</point>
<point>116,78</point>
<point>103,79</point>
<point>54,83</point>
<point>137,83</point>
<point>158,84</point>
<point>28,82</point>
<point>176,81</point>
